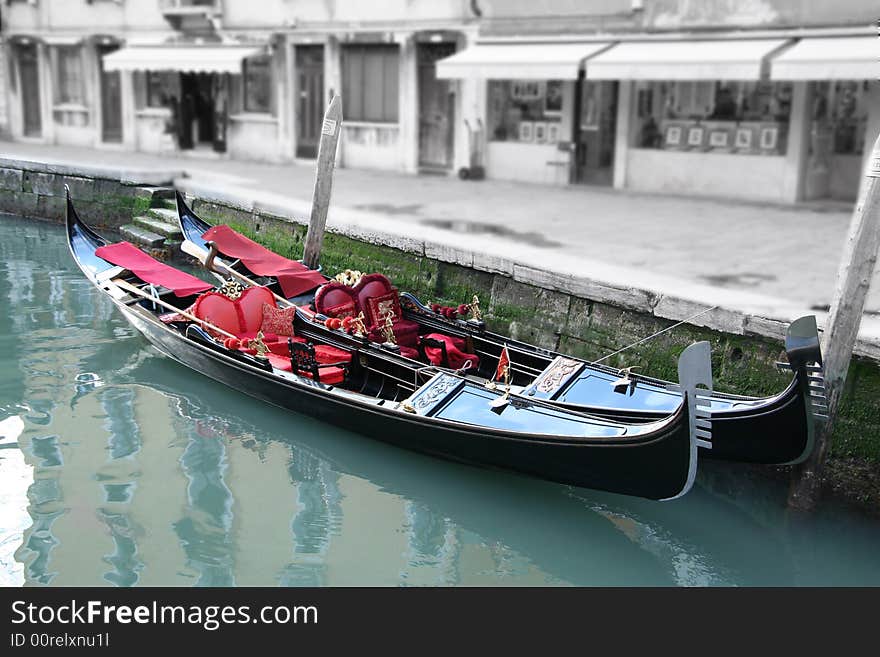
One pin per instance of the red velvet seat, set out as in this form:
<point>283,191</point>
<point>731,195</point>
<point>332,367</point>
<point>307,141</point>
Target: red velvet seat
<point>376,297</point>
<point>304,362</point>
<point>336,300</point>
<point>243,317</point>
<point>456,356</point>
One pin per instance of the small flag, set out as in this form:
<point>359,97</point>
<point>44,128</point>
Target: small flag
<point>503,365</point>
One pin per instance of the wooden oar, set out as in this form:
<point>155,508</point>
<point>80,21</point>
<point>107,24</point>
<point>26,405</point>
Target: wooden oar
<point>208,262</point>
<point>128,287</point>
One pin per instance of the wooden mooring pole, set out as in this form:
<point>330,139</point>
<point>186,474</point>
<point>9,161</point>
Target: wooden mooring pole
<point>842,328</point>
<point>330,129</point>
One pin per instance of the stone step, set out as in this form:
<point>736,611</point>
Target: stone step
<point>158,226</point>
<point>167,215</point>
<point>168,203</point>
<point>142,236</point>
<point>150,191</point>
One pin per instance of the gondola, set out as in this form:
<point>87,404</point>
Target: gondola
<point>447,415</point>
<point>776,430</point>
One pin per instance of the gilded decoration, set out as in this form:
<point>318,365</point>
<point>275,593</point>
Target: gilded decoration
<point>435,391</point>
<point>558,372</point>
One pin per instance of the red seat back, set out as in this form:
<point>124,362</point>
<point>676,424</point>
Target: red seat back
<point>242,315</point>
<point>219,310</point>
<point>250,305</point>
<point>372,285</point>
<point>334,296</point>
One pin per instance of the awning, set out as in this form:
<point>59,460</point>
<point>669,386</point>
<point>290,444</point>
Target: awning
<point>519,61</point>
<point>195,59</point>
<point>62,39</point>
<point>721,59</point>
<point>829,58</point>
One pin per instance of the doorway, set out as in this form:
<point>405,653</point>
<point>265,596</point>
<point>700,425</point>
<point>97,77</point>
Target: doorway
<point>197,120</point>
<point>310,99</point>
<point>29,76</point>
<point>111,99</point>
<point>595,131</point>
<point>436,108</point>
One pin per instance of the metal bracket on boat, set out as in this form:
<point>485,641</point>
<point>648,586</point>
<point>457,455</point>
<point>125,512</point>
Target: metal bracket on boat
<point>625,385</point>
<point>695,369</point>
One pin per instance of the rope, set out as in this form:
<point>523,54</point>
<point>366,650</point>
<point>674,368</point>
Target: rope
<point>651,337</point>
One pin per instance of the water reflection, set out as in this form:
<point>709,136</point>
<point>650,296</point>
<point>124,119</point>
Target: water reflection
<point>137,471</point>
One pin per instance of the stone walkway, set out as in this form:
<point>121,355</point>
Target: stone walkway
<point>790,254</point>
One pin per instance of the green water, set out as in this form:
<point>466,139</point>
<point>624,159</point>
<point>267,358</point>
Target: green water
<point>120,467</point>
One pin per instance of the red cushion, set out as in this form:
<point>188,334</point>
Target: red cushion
<point>326,354</point>
<point>250,305</point>
<point>342,310</point>
<point>455,351</point>
<point>239,316</point>
<point>378,307</point>
<point>278,320</point>
<point>406,333</point>
<point>267,337</point>
<point>371,285</point>
<point>409,352</point>
<point>219,310</point>
<point>334,294</point>
<point>279,362</point>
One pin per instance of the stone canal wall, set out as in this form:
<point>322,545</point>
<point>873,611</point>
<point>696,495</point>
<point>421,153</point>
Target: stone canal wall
<point>106,198</point>
<point>568,312</point>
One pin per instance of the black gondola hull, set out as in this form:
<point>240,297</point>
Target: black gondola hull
<point>657,468</point>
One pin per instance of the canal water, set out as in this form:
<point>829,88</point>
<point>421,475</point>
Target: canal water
<point>120,467</point>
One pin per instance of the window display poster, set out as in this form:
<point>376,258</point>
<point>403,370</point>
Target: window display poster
<point>526,131</point>
<point>540,132</point>
<point>553,98</point>
<point>526,90</point>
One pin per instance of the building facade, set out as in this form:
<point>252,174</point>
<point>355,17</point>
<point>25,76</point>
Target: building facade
<point>223,78</point>
<point>773,100</point>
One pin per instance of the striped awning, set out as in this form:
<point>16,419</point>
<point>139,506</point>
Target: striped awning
<point>187,59</point>
<point>829,58</point>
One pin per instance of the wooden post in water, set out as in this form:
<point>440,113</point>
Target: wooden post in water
<point>330,129</point>
<point>842,329</point>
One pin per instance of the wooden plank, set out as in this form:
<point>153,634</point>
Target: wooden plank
<point>842,328</point>
<point>330,129</point>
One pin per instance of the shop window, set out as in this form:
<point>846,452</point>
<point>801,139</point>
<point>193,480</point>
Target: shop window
<point>370,83</point>
<point>525,110</point>
<point>69,78</point>
<point>157,89</point>
<point>258,84</point>
<point>840,111</point>
<point>713,116</point>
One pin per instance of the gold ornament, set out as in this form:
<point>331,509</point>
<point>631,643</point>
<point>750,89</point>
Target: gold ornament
<point>260,346</point>
<point>474,307</point>
<point>358,327</point>
<point>388,328</point>
<point>231,288</point>
<point>349,277</point>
